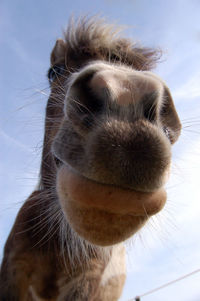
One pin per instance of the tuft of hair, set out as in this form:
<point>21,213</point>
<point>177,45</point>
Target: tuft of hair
<point>93,38</point>
<point>79,250</point>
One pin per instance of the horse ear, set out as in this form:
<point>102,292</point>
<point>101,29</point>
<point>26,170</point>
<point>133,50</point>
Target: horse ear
<point>170,117</point>
<point>58,52</point>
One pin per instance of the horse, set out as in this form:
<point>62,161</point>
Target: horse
<point>109,128</point>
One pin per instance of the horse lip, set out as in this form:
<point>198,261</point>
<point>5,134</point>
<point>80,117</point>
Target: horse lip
<point>60,163</point>
<point>110,198</point>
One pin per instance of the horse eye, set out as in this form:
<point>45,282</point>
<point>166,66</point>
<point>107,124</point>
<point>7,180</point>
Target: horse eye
<point>55,71</point>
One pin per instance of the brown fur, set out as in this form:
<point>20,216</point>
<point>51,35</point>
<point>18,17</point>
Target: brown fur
<point>109,128</point>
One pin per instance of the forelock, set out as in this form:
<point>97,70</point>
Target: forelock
<point>93,38</point>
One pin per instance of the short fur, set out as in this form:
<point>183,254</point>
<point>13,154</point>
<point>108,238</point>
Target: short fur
<point>61,248</point>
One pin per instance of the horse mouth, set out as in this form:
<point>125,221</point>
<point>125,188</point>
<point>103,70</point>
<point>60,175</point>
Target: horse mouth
<point>101,213</point>
<point>111,198</point>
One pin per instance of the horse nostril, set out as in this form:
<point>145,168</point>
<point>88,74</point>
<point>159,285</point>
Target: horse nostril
<point>83,106</point>
<point>149,102</point>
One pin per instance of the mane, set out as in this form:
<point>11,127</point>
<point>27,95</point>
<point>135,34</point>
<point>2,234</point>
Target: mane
<point>92,37</point>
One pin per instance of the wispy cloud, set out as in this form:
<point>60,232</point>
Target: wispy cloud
<point>190,89</point>
<point>13,141</point>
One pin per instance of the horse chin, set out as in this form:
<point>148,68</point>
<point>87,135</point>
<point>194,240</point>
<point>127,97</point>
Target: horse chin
<point>104,214</point>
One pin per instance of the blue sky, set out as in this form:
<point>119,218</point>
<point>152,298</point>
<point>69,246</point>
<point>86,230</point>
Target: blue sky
<point>169,246</point>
